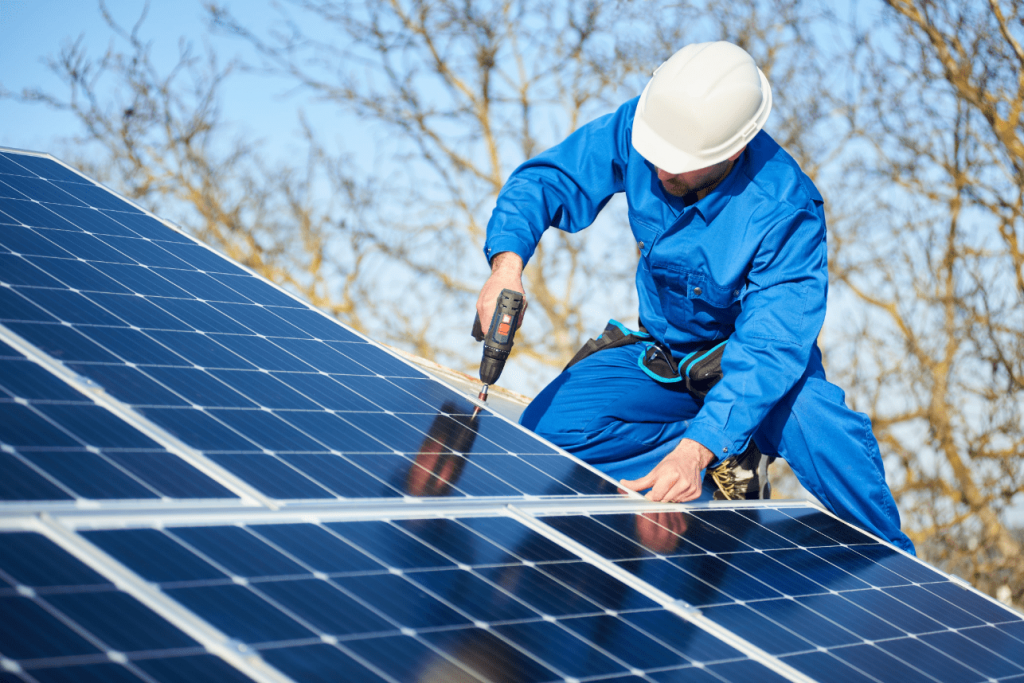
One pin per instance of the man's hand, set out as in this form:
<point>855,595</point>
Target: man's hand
<point>506,273</point>
<point>676,479</point>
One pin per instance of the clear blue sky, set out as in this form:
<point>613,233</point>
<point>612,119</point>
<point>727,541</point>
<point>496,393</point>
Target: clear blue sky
<point>33,30</point>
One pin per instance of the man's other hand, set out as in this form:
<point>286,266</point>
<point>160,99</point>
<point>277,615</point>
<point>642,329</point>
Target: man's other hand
<point>677,478</point>
<point>506,273</point>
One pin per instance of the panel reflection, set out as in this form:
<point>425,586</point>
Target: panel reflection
<point>438,464</point>
<point>683,554</point>
<point>446,462</point>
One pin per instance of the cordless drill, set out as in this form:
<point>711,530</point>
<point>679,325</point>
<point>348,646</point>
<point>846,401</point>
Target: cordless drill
<point>498,341</point>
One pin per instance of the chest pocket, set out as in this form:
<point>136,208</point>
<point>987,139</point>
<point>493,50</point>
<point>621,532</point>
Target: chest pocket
<point>696,303</point>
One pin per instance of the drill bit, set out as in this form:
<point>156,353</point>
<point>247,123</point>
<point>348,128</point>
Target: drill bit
<point>482,397</point>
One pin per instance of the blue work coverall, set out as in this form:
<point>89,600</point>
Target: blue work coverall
<point>747,263</point>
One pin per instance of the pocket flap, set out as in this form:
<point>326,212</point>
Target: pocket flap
<point>699,286</point>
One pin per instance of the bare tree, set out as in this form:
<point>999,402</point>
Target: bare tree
<point>911,128</point>
<point>932,255</point>
<point>466,91</point>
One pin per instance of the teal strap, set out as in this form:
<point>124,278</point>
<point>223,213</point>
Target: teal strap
<point>626,331</point>
<point>697,360</point>
<point>645,346</point>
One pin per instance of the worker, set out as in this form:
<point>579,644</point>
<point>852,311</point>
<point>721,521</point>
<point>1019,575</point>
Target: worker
<point>732,264</point>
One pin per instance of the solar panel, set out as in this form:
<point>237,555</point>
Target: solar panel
<point>285,399</point>
<point>204,479</point>
<point>830,601</point>
<point>413,598</point>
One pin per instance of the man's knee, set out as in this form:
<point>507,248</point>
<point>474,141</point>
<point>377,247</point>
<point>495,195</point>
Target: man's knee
<point>539,407</point>
<point>606,386</point>
<point>816,410</point>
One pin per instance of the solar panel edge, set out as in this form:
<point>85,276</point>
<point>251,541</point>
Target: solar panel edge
<point>129,515</point>
<point>776,504</point>
<point>963,583</point>
<point>245,491</point>
<point>195,241</point>
<point>44,155</point>
<point>87,180</point>
<point>124,579</point>
<point>953,578</point>
<point>680,608</point>
<point>536,437</point>
<point>566,454</point>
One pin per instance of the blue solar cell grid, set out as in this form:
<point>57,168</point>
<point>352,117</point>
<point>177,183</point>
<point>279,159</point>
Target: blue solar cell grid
<point>281,396</point>
<point>814,592</point>
<point>62,621</point>
<point>57,444</point>
<point>421,599</point>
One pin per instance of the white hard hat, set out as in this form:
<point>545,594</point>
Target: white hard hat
<point>701,107</point>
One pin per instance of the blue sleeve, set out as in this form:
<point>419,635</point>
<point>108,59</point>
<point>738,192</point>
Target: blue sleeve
<point>564,187</point>
<point>783,310</point>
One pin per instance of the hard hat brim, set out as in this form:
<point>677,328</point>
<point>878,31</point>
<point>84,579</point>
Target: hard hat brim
<point>669,158</point>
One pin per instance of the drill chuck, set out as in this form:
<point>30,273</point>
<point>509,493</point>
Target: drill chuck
<point>491,367</point>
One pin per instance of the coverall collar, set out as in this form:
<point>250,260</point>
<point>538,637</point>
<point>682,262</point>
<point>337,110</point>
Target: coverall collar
<point>716,200</point>
<point>713,203</point>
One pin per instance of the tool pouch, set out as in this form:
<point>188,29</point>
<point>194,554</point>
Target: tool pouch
<point>615,334</point>
<point>699,370</point>
<point>702,369</point>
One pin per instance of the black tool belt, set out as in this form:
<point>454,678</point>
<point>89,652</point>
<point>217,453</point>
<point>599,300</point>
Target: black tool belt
<point>615,334</point>
<point>698,371</point>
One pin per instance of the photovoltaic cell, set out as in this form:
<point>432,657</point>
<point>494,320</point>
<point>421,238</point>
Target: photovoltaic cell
<point>829,601</point>
<point>284,398</point>
<point>61,621</point>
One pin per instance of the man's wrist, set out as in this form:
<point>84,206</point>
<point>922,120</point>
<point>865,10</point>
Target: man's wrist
<point>507,261</point>
<point>705,455</point>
